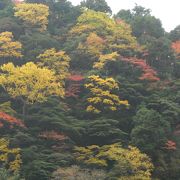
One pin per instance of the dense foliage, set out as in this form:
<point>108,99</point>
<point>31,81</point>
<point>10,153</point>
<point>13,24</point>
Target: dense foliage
<point>85,95</point>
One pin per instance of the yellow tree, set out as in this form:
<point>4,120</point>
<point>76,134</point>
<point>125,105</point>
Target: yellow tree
<point>105,58</point>
<point>57,61</point>
<point>102,95</point>
<point>103,36</point>
<point>5,151</point>
<point>128,164</point>
<point>8,47</point>
<point>29,83</point>
<point>33,14</point>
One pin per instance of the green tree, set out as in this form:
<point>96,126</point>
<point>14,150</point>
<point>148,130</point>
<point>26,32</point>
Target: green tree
<point>142,22</point>
<point>150,130</point>
<point>97,5</point>
<point>174,35</point>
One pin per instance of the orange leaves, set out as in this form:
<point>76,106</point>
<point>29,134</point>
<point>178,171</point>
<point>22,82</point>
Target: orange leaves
<point>95,44</point>
<point>12,121</point>
<point>176,47</point>
<point>148,73</point>
<point>75,77</point>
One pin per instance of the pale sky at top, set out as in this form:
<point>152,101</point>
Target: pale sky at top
<point>168,11</point>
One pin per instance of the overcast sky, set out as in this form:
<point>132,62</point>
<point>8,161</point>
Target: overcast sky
<point>166,10</point>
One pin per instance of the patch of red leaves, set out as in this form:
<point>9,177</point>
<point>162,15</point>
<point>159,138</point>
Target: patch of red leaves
<point>10,120</point>
<point>170,145</point>
<point>75,77</point>
<point>148,73</point>
<point>73,85</point>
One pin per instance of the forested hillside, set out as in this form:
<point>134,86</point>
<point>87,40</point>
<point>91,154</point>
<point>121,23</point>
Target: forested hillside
<point>87,95</point>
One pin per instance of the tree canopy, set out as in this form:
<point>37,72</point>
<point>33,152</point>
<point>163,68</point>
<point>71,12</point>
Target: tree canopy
<point>86,94</point>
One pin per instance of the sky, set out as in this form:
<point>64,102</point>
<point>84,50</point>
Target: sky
<point>168,11</point>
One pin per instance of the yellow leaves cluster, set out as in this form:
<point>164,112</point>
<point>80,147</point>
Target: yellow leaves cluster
<point>139,163</point>
<point>5,151</point>
<point>8,47</point>
<point>91,21</point>
<point>57,61</point>
<point>29,82</point>
<point>104,58</point>
<point>33,14</point>
<point>102,96</point>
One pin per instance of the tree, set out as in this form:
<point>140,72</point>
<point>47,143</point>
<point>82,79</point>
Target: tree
<point>35,15</point>
<point>116,34</point>
<point>140,11</point>
<point>104,59</point>
<point>57,61</point>
<point>160,56</point>
<point>29,83</point>
<point>104,131</point>
<point>37,43</point>
<point>100,39</point>
<point>9,47</point>
<point>6,8</point>
<point>142,22</point>
<point>11,121</point>
<point>13,165</point>
<point>5,174</point>
<point>6,108</point>
<point>10,24</point>
<point>111,156</point>
<point>150,131</point>
<point>176,47</point>
<point>102,97</point>
<point>174,35</point>
<point>78,174</point>
<point>148,73</point>
<point>97,5</point>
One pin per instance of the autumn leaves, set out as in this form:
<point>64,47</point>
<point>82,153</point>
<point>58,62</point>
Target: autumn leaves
<point>104,39</point>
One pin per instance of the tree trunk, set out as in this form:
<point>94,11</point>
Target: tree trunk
<point>24,110</point>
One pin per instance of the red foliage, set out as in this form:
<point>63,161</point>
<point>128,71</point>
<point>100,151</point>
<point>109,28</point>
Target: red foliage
<point>73,87</point>
<point>53,135</point>
<point>75,77</point>
<point>148,73</point>
<point>12,121</point>
<point>170,145</point>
